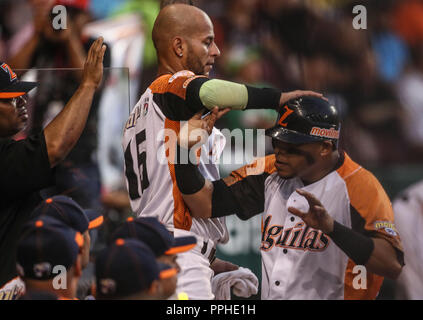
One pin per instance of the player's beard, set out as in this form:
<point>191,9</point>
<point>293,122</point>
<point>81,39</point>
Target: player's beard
<point>194,64</point>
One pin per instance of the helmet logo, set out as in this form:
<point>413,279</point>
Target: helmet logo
<point>9,71</point>
<point>284,116</point>
<point>325,133</point>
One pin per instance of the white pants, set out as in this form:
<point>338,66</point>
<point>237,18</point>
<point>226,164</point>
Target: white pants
<point>196,275</point>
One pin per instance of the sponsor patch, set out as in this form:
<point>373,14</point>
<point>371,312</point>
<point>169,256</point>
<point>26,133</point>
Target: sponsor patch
<point>387,226</point>
<point>325,133</point>
<point>390,231</point>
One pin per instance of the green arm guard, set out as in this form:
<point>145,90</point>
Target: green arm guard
<point>223,94</point>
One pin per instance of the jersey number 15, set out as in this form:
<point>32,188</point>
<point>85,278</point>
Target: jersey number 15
<point>141,164</point>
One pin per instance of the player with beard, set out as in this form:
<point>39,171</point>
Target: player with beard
<point>184,40</point>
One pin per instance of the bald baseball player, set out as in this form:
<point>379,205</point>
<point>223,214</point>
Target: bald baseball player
<point>324,219</point>
<point>184,40</point>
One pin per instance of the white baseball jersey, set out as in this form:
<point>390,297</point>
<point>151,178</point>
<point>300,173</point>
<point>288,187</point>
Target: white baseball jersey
<point>408,210</point>
<point>149,143</point>
<point>299,262</point>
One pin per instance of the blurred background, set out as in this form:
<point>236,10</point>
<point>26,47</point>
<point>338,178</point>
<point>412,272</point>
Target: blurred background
<point>374,76</point>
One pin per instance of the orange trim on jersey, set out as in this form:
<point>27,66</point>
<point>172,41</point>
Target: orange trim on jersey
<point>259,166</point>
<point>176,84</point>
<point>374,282</point>
<point>65,298</point>
<point>181,215</point>
<point>96,222</point>
<point>180,249</point>
<point>348,168</point>
<point>370,200</point>
<point>160,84</point>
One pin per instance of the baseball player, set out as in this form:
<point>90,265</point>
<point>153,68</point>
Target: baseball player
<point>49,250</point>
<point>128,270</point>
<point>27,165</point>
<point>161,241</point>
<point>184,40</point>
<point>323,214</point>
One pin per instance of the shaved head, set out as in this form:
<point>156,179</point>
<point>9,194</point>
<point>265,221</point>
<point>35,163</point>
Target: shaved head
<point>184,40</point>
<point>178,20</point>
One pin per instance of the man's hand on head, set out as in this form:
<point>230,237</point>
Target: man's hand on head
<point>286,96</point>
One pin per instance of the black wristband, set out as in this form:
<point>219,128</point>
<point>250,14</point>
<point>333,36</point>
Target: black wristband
<point>188,177</point>
<point>263,98</point>
<point>357,246</point>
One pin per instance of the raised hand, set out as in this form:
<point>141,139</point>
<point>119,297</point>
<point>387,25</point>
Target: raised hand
<point>93,68</point>
<point>317,217</point>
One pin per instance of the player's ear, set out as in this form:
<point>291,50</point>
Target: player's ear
<point>78,266</point>
<point>154,289</point>
<point>326,148</point>
<point>178,46</point>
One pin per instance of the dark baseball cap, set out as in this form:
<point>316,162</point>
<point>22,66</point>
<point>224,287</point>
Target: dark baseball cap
<point>127,267</point>
<point>306,120</point>
<point>152,232</point>
<point>45,243</point>
<point>69,212</point>
<point>10,85</point>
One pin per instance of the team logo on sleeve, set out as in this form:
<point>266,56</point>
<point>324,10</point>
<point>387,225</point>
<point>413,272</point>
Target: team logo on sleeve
<point>387,226</point>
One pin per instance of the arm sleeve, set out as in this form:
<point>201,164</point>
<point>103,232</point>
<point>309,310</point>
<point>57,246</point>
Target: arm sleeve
<point>25,166</point>
<point>245,198</point>
<point>243,191</point>
<point>203,92</point>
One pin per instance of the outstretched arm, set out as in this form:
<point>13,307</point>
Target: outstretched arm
<point>242,193</point>
<point>210,93</point>
<point>65,129</point>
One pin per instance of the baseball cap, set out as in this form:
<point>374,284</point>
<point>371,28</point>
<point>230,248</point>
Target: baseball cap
<point>45,243</point>
<point>69,212</point>
<point>10,85</point>
<point>78,4</point>
<point>152,232</point>
<point>306,120</point>
<point>127,267</point>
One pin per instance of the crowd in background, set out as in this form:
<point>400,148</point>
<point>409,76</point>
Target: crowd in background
<point>374,76</point>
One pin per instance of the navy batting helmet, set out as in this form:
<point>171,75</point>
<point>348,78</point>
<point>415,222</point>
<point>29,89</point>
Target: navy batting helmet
<point>305,120</point>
